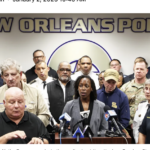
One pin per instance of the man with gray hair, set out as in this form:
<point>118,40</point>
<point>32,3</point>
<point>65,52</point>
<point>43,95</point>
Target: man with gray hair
<point>11,74</point>
<point>61,90</point>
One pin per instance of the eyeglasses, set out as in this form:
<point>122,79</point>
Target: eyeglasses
<point>100,79</point>
<point>67,70</point>
<point>38,57</point>
<point>115,65</point>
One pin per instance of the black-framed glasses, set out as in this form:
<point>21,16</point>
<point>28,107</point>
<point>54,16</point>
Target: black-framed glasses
<point>36,57</point>
<point>63,69</point>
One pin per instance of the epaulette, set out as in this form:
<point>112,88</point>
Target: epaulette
<point>54,78</point>
<point>32,81</point>
<point>143,101</point>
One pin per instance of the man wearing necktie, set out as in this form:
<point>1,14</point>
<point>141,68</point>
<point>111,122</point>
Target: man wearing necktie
<point>42,80</point>
<point>143,108</point>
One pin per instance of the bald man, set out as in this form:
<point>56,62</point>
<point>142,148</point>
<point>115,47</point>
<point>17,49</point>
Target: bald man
<point>61,90</point>
<point>19,126</point>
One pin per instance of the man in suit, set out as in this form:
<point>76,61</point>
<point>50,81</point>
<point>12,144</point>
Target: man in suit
<point>37,56</point>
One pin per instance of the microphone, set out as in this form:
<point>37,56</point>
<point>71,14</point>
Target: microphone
<point>65,120</point>
<point>66,117</point>
<point>111,115</point>
<point>88,132</point>
<point>78,134</point>
<point>85,114</point>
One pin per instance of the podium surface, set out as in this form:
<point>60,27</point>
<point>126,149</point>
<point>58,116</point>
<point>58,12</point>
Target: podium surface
<point>95,140</point>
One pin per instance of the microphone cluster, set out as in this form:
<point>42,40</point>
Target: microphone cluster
<point>111,117</point>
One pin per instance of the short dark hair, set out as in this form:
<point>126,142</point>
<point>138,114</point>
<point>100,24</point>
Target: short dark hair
<point>102,72</point>
<point>85,56</point>
<point>93,94</point>
<point>38,50</point>
<point>39,62</point>
<point>115,60</point>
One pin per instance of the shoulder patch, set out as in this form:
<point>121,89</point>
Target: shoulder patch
<point>32,81</point>
<point>143,102</point>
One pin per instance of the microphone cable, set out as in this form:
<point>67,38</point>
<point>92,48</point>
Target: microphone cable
<point>125,131</point>
<point>78,123</point>
<point>60,137</point>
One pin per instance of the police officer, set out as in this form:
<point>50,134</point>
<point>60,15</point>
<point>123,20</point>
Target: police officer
<point>37,56</point>
<point>42,80</point>
<point>141,111</point>
<point>113,97</point>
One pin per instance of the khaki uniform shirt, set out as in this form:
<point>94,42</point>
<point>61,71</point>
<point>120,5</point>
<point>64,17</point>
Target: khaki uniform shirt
<point>135,95</point>
<point>33,100</point>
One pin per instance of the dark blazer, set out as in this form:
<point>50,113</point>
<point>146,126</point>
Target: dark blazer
<point>97,122</point>
<point>56,97</point>
<point>31,75</point>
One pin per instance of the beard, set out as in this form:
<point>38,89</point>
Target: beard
<point>64,78</point>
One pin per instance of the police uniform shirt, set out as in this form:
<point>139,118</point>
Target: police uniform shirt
<point>145,127</point>
<point>91,74</point>
<point>138,118</point>
<point>38,83</point>
<point>30,124</point>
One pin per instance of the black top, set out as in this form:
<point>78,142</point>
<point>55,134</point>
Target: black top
<point>31,75</point>
<point>145,127</point>
<point>56,97</point>
<point>86,121</point>
<point>30,124</point>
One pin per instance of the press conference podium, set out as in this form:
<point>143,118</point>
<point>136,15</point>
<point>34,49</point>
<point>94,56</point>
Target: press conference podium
<point>95,140</point>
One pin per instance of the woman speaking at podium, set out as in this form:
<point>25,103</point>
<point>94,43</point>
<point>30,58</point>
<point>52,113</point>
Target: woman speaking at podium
<point>85,101</point>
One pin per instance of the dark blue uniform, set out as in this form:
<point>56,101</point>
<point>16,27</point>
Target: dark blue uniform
<point>117,101</point>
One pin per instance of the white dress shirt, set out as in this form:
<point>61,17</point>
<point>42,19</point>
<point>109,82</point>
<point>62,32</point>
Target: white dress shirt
<point>63,88</point>
<point>91,74</point>
<point>138,118</point>
<point>39,85</point>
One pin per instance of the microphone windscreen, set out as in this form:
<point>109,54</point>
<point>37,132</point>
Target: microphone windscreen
<point>106,108</point>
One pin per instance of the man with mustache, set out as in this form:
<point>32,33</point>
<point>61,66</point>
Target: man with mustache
<point>61,90</point>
